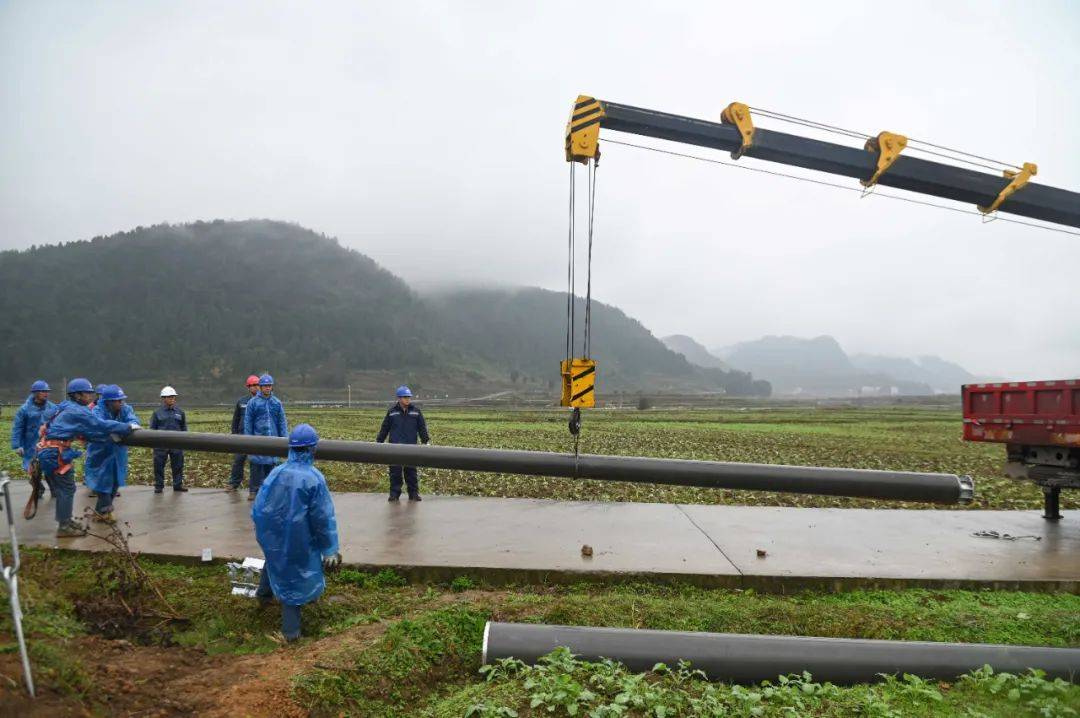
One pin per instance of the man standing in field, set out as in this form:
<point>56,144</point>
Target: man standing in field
<point>169,417</point>
<point>236,476</point>
<point>24,430</point>
<point>404,424</point>
<point>264,416</point>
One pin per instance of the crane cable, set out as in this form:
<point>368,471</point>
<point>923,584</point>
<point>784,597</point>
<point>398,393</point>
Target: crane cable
<point>571,284</point>
<point>955,155</point>
<point>836,185</point>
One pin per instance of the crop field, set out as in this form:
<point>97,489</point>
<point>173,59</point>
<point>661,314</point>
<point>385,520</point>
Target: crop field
<point>904,438</point>
<point>168,639</point>
<point>172,641</point>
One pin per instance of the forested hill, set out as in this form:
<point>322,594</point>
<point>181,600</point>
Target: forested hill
<point>216,300</point>
<point>204,299</point>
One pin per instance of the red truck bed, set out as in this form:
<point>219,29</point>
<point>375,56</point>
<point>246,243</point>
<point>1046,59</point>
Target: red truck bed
<point>1029,413</point>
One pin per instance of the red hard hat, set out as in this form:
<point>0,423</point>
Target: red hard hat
<point>253,380</point>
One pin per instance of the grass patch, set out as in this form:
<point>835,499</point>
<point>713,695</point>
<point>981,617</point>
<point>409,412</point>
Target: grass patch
<point>441,647</point>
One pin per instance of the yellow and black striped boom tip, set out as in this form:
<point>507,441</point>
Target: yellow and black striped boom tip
<point>578,383</point>
<point>583,130</point>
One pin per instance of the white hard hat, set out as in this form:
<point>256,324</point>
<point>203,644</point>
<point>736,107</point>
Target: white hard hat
<point>168,391</point>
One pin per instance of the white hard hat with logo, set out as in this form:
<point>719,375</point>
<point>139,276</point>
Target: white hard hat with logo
<point>168,391</point>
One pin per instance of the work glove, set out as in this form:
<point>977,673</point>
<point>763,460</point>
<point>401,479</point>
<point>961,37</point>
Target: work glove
<point>133,426</point>
<point>19,451</point>
<point>331,563</point>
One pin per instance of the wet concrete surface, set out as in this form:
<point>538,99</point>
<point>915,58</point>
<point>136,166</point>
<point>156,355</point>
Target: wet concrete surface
<point>508,540</point>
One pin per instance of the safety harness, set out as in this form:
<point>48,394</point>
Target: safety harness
<point>37,476</point>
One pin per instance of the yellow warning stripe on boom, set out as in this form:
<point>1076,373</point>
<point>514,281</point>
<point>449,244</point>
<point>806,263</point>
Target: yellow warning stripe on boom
<point>583,130</point>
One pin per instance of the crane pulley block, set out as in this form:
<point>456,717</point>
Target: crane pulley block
<point>583,130</point>
<point>738,114</point>
<point>578,383</point>
<point>887,146</point>
<point>1017,180</point>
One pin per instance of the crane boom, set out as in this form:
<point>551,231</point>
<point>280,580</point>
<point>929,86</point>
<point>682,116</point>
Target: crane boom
<point>879,161</point>
<point>937,179</point>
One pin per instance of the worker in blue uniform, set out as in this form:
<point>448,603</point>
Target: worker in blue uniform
<point>169,417</point>
<point>106,467</point>
<point>24,428</point>
<point>62,426</point>
<point>296,528</point>
<point>236,476</point>
<point>404,424</point>
<point>264,416</point>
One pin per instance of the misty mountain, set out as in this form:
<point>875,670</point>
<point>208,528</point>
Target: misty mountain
<point>216,300</point>
<point>694,352</point>
<point>940,375</point>
<point>820,367</point>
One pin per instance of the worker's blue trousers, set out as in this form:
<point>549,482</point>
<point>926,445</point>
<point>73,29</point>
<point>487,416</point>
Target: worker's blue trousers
<point>412,480</point>
<point>257,476</point>
<point>290,615</point>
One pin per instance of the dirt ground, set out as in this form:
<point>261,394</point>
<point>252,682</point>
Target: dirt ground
<point>150,681</point>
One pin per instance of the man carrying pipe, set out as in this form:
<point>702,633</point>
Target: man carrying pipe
<point>236,476</point>
<point>264,416</point>
<point>106,466</point>
<point>69,421</point>
<point>296,528</point>
<point>27,422</point>
<point>404,424</point>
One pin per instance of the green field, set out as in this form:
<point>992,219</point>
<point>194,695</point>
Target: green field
<point>377,646</point>
<point>905,438</point>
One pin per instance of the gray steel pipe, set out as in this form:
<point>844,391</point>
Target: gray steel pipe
<point>898,485</point>
<point>749,659</point>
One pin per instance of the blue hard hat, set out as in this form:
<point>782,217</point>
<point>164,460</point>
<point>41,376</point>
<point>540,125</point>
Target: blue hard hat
<point>303,435</point>
<point>100,388</point>
<point>40,385</point>
<point>112,392</point>
<point>403,391</point>
<point>76,385</point>
<point>266,380</point>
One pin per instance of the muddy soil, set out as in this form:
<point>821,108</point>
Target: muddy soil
<point>138,680</point>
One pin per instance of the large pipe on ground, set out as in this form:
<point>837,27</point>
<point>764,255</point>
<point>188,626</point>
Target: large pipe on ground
<point>864,483</point>
<point>749,659</point>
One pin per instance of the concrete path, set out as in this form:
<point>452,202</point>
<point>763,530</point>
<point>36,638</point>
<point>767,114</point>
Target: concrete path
<point>518,540</point>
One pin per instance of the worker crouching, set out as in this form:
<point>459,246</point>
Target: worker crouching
<point>297,531</point>
<point>106,467</point>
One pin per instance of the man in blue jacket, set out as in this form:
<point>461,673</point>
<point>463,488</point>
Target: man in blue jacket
<point>236,476</point>
<point>404,424</point>
<point>264,416</point>
<point>69,421</point>
<point>24,430</point>
<point>169,417</point>
<point>296,528</point>
<point>106,467</point>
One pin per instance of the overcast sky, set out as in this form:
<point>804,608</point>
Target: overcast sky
<point>429,136</point>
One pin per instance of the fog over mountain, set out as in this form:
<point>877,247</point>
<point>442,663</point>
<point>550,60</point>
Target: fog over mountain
<point>819,366</point>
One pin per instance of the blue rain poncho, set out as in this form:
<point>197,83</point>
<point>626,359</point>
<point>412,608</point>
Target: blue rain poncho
<point>71,420</point>
<point>24,429</point>
<point>296,528</point>
<point>107,460</point>
<point>265,416</point>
